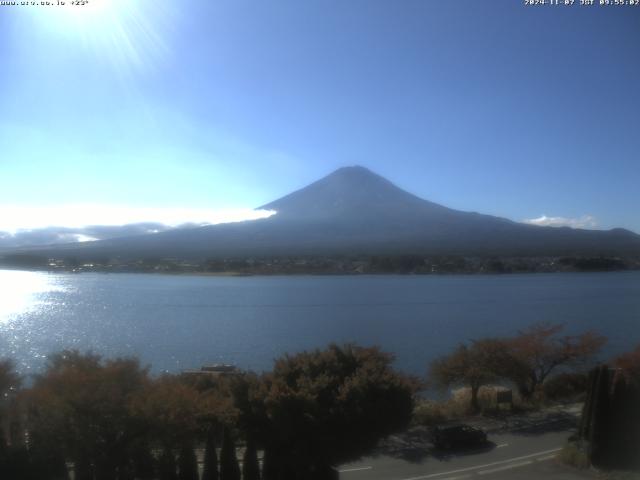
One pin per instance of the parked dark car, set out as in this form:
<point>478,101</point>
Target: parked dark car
<point>458,436</point>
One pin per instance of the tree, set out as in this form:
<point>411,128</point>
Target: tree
<point>528,358</point>
<point>331,406</point>
<point>82,467</point>
<point>80,406</point>
<point>177,410</point>
<point>10,382</point>
<point>269,465</point>
<point>47,461</point>
<point>229,468</point>
<point>610,425</point>
<point>250,465</point>
<point>168,410</point>
<point>248,393</point>
<point>629,364</point>
<point>471,366</point>
<point>16,463</point>
<point>144,465</point>
<point>210,471</point>
<point>167,469</point>
<point>187,463</point>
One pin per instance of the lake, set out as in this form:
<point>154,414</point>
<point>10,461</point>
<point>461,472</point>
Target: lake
<point>178,322</point>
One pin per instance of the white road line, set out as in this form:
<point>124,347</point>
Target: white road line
<point>502,445</point>
<point>548,457</point>
<point>461,477</point>
<point>505,467</point>
<point>356,469</point>
<point>476,467</point>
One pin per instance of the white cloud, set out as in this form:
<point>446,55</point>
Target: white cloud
<point>31,226</point>
<point>80,237</point>
<point>15,218</point>
<point>585,221</point>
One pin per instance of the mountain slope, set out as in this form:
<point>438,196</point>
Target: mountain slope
<point>354,211</point>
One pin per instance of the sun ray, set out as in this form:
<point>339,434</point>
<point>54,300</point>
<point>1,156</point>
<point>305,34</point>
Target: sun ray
<point>128,33</point>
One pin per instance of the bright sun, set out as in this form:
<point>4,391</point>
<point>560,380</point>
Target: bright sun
<point>124,31</point>
<point>91,13</point>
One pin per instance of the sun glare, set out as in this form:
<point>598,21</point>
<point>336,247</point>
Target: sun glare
<point>127,32</point>
<point>88,13</point>
<point>21,292</point>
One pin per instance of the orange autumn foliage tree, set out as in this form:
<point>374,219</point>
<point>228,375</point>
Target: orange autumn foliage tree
<point>81,406</point>
<point>469,365</point>
<point>629,363</point>
<point>530,357</point>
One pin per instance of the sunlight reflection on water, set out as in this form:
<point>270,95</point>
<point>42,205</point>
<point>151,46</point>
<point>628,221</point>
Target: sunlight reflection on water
<point>24,292</point>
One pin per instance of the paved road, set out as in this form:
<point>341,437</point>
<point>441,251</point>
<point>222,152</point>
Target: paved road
<point>525,452</point>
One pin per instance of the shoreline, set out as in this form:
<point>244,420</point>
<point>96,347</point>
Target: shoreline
<point>237,274</point>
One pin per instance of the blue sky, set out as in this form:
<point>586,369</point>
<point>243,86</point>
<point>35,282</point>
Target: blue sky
<point>200,106</point>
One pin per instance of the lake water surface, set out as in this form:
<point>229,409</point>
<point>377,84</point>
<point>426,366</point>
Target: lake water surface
<point>178,322</point>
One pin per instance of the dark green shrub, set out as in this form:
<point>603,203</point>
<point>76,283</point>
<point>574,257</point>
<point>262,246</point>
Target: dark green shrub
<point>565,386</point>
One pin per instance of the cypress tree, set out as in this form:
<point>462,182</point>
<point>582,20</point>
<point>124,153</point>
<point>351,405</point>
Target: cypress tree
<point>598,428</point>
<point>54,467</point>
<point>4,456</point>
<point>187,463</point>
<point>143,463</point>
<point>17,464</point>
<point>610,421</point>
<point>250,466</point>
<point>587,409</point>
<point>229,468</point>
<point>618,425</point>
<point>59,470</point>
<point>126,469</point>
<point>82,468</point>
<point>167,466</point>
<point>210,471</point>
<point>633,425</point>
<point>624,432</point>
<point>48,465</point>
<point>269,465</point>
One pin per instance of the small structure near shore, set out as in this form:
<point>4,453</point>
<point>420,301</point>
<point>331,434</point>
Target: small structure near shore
<point>214,370</point>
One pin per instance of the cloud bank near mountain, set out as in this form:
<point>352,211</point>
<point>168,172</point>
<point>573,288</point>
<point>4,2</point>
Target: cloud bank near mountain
<point>77,216</point>
<point>55,235</point>
<point>26,227</point>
